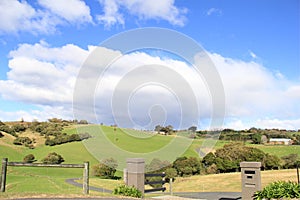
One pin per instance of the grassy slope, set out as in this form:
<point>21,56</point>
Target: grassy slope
<point>52,180</point>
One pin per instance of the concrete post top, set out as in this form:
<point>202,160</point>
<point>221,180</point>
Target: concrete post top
<point>250,164</point>
<point>135,160</point>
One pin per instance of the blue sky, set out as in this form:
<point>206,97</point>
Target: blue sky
<point>258,41</point>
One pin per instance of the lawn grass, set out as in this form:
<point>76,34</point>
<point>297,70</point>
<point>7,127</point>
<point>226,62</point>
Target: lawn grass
<point>227,182</point>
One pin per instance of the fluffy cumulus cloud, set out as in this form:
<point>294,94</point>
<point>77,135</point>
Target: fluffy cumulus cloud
<point>19,16</point>
<point>74,11</point>
<point>143,9</point>
<point>42,75</point>
<point>44,16</point>
<point>141,90</point>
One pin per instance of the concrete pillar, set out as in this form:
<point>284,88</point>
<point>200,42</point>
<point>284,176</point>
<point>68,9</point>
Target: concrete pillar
<point>251,179</point>
<point>125,176</point>
<point>136,173</point>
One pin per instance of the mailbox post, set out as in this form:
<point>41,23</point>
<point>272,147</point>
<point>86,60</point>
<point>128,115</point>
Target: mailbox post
<point>136,173</point>
<point>251,179</point>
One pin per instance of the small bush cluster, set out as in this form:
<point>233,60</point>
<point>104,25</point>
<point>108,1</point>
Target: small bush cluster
<point>29,158</point>
<point>63,138</point>
<point>106,169</point>
<point>26,141</point>
<point>53,158</point>
<point>125,190</point>
<point>278,190</point>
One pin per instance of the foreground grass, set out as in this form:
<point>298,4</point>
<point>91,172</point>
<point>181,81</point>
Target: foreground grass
<point>228,182</point>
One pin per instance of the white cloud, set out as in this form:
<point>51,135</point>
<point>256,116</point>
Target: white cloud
<point>73,11</point>
<point>42,75</point>
<point>253,55</point>
<point>45,76</point>
<point>215,11</point>
<point>143,9</point>
<point>19,16</point>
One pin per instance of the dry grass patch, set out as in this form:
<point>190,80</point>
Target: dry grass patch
<point>228,182</point>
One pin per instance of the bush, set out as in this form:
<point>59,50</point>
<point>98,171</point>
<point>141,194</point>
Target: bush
<point>279,189</point>
<point>23,141</point>
<point>53,158</point>
<point>127,191</point>
<point>29,158</point>
<point>105,169</point>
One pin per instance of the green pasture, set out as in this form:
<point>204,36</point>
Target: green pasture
<point>52,181</point>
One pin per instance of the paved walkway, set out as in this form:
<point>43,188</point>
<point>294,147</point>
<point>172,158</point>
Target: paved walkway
<point>176,196</point>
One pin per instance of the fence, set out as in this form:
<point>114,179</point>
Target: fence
<point>147,182</point>
<point>5,164</point>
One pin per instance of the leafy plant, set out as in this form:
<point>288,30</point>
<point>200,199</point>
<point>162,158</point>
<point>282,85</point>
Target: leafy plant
<point>279,189</point>
<point>53,158</point>
<point>29,158</point>
<point>125,190</point>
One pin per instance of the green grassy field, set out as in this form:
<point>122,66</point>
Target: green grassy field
<point>21,180</point>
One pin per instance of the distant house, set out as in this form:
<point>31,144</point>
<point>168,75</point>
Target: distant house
<point>282,141</point>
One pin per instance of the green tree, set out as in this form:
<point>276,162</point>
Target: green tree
<point>271,162</point>
<point>53,158</point>
<point>290,161</point>
<point>29,158</point>
<point>105,169</point>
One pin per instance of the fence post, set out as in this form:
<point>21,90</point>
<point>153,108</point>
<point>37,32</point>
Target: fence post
<point>3,174</point>
<point>170,184</point>
<point>85,185</point>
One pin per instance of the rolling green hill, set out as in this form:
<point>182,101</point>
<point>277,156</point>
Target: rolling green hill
<point>52,181</point>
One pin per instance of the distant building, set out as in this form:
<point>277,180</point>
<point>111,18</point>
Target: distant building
<point>283,141</point>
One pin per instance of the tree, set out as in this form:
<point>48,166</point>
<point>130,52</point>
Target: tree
<point>193,129</point>
<point>170,173</point>
<point>53,158</point>
<point>29,158</point>
<point>105,169</point>
<point>271,162</point>
<point>187,166</point>
<point>290,161</point>
<point>256,138</point>
<point>158,128</point>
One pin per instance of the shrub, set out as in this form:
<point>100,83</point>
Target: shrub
<point>53,158</point>
<point>279,189</point>
<point>23,141</point>
<point>29,158</point>
<point>105,169</point>
<point>125,190</point>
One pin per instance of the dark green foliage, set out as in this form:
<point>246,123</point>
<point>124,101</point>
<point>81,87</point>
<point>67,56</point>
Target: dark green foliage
<point>170,173</point>
<point>228,158</point>
<point>278,190</point>
<point>5,128</point>
<point>125,190</point>
<point>18,128</point>
<point>192,128</point>
<point>256,138</point>
<point>53,158</point>
<point>29,158</point>
<point>1,135</point>
<point>271,162</point>
<point>290,161</point>
<point>63,138</point>
<point>105,169</point>
<point>23,141</point>
<point>187,166</point>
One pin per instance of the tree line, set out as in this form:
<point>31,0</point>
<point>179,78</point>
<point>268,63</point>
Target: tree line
<point>52,131</point>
